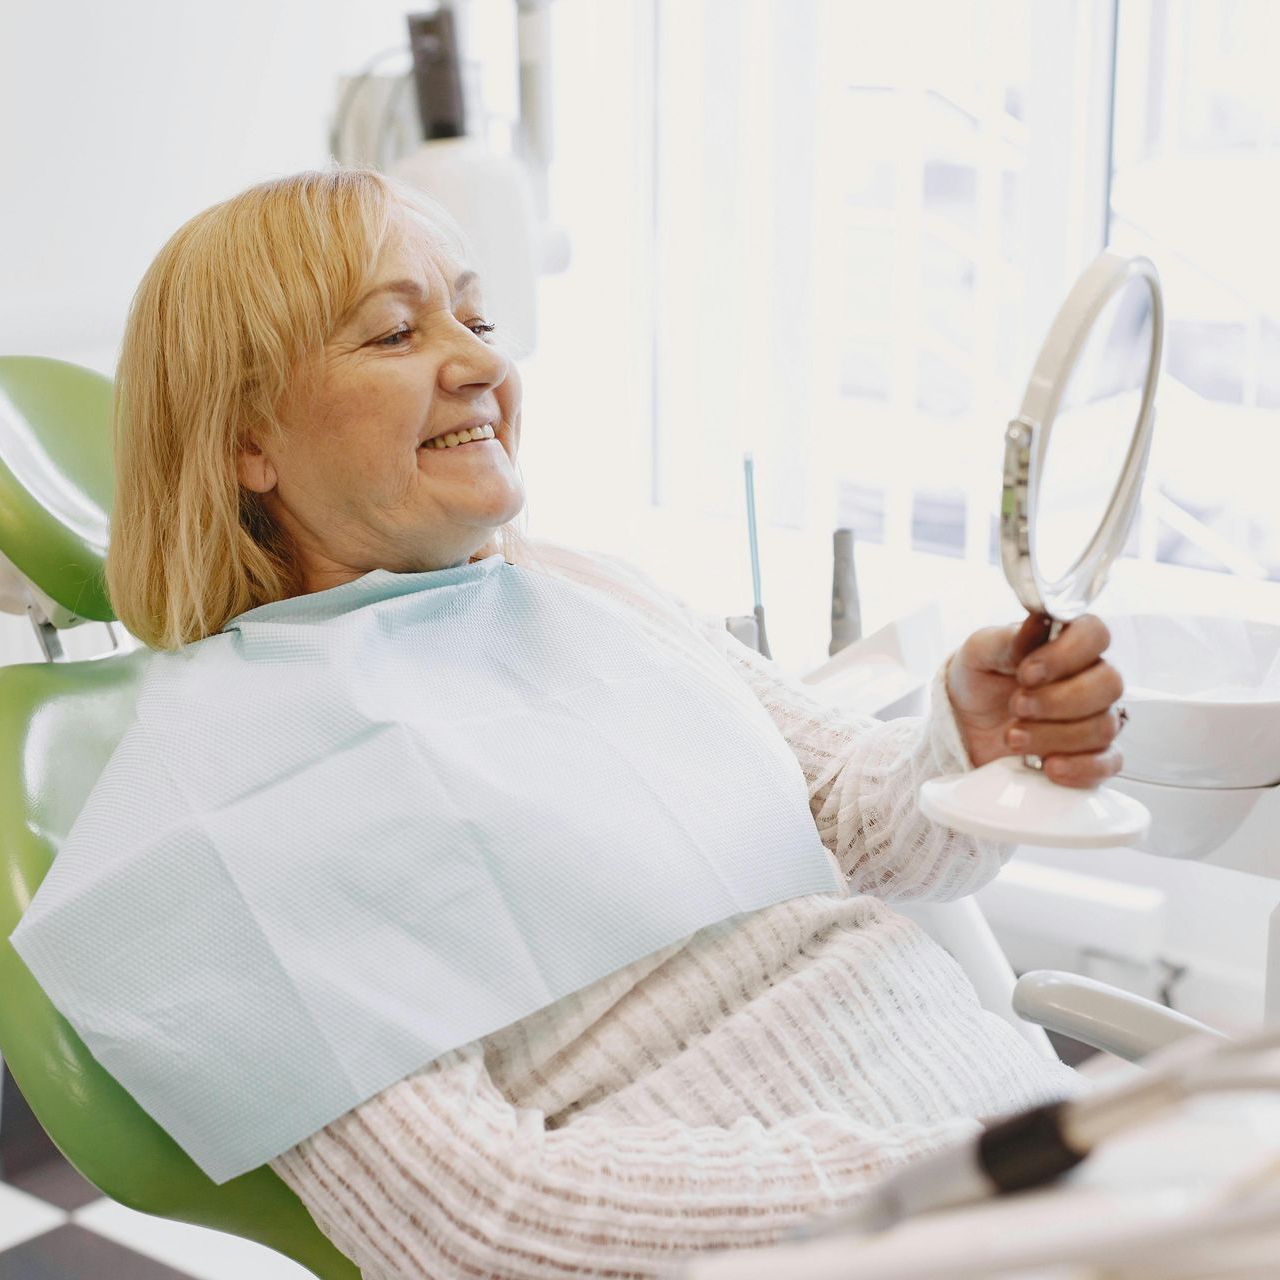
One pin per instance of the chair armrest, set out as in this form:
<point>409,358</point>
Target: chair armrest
<point>1105,1017</point>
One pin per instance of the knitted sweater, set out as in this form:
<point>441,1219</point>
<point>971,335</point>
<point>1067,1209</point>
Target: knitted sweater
<point>723,1090</point>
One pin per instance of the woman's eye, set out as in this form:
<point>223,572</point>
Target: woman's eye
<point>393,339</point>
<point>480,327</point>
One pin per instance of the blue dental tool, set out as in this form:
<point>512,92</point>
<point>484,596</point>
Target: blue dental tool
<point>761,638</point>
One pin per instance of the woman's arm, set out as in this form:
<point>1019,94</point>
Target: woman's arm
<point>864,776</point>
<point>440,1176</point>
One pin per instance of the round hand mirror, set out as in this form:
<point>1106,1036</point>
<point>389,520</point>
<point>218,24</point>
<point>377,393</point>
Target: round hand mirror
<point>1074,461</point>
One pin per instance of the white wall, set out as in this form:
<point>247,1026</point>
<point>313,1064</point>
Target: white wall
<point>119,121</point>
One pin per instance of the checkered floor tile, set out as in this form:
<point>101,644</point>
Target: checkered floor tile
<point>55,1226</point>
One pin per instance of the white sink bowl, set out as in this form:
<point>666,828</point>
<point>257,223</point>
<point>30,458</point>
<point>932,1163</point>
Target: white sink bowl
<point>1203,696</point>
<point>1192,822</point>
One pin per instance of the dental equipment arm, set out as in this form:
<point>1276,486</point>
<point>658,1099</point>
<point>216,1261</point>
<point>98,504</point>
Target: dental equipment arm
<point>1107,1018</point>
<point>1037,1146</point>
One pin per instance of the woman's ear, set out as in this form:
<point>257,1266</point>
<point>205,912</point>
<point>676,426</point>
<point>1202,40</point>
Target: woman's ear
<point>254,469</point>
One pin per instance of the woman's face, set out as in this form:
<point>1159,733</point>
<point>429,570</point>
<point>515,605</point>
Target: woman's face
<point>351,479</point>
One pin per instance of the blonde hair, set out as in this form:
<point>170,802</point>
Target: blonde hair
<point>237,299</point>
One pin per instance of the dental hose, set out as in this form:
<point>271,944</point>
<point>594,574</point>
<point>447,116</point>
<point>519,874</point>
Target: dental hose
<point>1036,1147</point>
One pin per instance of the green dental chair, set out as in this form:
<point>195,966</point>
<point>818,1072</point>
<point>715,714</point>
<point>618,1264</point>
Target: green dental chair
<point>59,722</point>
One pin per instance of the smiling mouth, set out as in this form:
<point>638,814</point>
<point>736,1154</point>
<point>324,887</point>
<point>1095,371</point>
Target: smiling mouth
<point>455,439</point>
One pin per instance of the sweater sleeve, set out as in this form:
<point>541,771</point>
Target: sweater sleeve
<point>440,1176</point>
<point>863,774</point>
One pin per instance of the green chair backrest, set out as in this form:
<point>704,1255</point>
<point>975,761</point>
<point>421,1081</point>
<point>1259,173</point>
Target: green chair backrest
<point>56,479</point>
<point>58,725</point>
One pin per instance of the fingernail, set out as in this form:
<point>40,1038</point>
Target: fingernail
<point>1024,705</point>
<point>1033,673</point>
<point>1019,739</point>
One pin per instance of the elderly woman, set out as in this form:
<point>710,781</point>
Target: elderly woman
<point>317,414</point>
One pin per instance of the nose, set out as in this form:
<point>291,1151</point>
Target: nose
<point>473,365</point>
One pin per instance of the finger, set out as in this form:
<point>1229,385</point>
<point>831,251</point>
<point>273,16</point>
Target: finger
<point>1079,646</point>
<point>1031,636</point>
<point>1072,737</point>
<point>1084,770</point>
<point>1001,649</point>
<point>1087,694</point>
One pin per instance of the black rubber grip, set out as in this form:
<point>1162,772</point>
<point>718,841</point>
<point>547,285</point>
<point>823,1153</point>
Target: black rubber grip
<point>1027,1150</point>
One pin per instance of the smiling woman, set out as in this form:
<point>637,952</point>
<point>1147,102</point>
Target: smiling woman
<point>345,476</point>
<point>522,920</point>
<point>328,328</point>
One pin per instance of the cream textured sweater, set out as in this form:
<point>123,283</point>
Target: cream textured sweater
<point>725,1089</point>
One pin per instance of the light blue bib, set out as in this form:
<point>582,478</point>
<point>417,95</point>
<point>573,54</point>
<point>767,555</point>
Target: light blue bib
<point>363,827</point>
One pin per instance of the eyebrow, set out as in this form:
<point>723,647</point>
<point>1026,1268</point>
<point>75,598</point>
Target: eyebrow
<point>412,289</point>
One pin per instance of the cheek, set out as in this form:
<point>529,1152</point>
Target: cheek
<point>509,396</point>
<point>511,389</point>
<point>371,426</point>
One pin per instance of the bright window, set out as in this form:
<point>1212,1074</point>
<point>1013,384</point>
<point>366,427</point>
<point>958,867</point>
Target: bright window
<point>1197,168</point>
<point>834,233</point>
<point>878,208</point>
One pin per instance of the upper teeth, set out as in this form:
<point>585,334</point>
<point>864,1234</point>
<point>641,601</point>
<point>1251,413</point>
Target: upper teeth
<point>461,437</point>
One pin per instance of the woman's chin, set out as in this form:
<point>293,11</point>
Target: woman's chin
<point>514,504</point>
<point>494,512</point>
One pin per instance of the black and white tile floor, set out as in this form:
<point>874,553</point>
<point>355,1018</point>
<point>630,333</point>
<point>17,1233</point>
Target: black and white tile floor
<point>56,1226</point>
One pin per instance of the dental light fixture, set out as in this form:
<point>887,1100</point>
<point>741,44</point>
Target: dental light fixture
<point>499,200</point>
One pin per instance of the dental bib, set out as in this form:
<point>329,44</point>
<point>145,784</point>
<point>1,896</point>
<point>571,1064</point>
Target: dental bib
<point>362,827</point>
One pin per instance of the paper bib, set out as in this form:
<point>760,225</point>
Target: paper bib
<point>362,827</point>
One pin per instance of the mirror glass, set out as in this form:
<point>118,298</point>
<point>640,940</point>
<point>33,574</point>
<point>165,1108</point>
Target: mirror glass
<point>1085,447</point>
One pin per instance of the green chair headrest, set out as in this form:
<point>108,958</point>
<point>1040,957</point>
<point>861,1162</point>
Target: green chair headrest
<point>56,479</point>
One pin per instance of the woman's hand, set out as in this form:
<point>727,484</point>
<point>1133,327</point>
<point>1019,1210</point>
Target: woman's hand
<point>1014,695</point>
